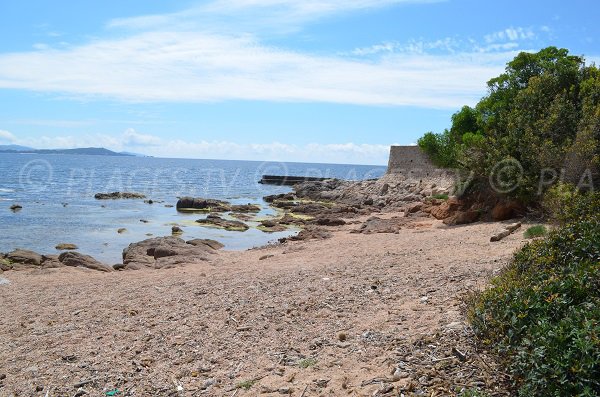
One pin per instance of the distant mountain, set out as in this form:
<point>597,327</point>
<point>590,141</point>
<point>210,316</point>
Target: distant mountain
<point>97,151</point>
<point>16,148</point>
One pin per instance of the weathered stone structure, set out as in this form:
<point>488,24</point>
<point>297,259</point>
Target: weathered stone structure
<point>412,162</point>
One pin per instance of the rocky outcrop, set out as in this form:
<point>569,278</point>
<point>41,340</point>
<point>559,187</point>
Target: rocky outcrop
<point>119,195</point>
<point>185,204</point>
<point>164,252</point>
<point>24,257</point>
<point>75,259</point>
<point>206,242</point>
<point>221,223</point>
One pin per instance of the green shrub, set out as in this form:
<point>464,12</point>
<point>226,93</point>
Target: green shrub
<point>535,231</point>
<point>542,313</point>
<point>440,196</point>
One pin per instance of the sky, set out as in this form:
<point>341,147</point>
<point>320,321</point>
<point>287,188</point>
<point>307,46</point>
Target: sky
<point>330,81</point>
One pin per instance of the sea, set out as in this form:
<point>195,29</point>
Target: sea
<point>57,196</point>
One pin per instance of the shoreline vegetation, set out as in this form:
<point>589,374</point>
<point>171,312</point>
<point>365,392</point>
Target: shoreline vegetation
<point>404,285</point>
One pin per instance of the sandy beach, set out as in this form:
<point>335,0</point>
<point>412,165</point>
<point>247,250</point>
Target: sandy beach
<point>355,314</point>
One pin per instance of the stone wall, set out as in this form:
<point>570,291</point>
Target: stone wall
<point>411,162</point>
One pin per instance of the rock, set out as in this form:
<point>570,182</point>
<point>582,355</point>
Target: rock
<point>162,252</point>
<point>412,208</point>
<point>118,195</point>
<point>24,257</point>
<point>329,221</point>
<point>75,259</point>
<point>271,226</point>
<point>66,246</point>
<point>384,189</point>
<point>310,233</point>
<point>462,218</point>
<point>245,208</point>
<point>4,281</point>
<point>268,223</point>
<point>121,230</point>
<point>144,221</point>
<point>506,210</point>
<point>201,204</point>
<point>213,244</point>
<point>262,258</point>
<point>16,207</point>
<point>149,201</point>
<point>377,225</point>
<point>218,222</point>
<point>446,209</point>
<point>176,230</point>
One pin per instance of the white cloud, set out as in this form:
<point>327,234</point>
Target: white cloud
<point>131,140</point>
<point>511,34</point>
<point>7,136</point>
<point>199,67</point>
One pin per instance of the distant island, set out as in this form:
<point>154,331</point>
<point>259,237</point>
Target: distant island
<point>81,151</point>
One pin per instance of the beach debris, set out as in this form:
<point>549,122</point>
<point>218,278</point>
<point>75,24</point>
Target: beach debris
<point>16,207</point>
<point>114,392</point>
<point>508,230</point>
<point>66,246</point>
<point>119,195</point>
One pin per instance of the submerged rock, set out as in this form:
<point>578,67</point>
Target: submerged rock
<point>66,246</point>
<point>16,207</point>
<point>218,222</point>
<point>119,195</point>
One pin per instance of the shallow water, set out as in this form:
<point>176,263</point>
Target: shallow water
<point>57,195</point>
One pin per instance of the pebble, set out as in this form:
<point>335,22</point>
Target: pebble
<point>4,281</point>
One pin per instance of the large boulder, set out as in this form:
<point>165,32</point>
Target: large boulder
<point>25,257</point>
<point>163,252</point>
<point>75,259</point>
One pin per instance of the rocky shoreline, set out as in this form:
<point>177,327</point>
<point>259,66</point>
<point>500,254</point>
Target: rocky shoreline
<point>313,206</point>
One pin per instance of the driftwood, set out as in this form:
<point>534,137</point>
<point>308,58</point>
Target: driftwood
<point>506,232</point>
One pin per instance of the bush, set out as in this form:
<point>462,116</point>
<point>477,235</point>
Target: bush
<point>535,231</point>
<point>542,313</point>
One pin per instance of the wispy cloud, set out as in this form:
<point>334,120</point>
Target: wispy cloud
<point>7,136</point>
<point>198,67</point>
<point>511,34</point>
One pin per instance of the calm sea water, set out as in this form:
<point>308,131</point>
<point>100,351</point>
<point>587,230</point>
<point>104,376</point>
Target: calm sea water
<point>57,195</point>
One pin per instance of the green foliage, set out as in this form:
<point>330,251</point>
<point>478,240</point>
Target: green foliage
<point>535,231</point>
<point>542,314</point>
<point>246,385</point>
<point>543,111</point>
<point>440,196</point>
<point>473,393</point>
<point>307,362</point>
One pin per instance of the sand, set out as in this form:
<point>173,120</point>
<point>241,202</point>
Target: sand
<point>357,315</point>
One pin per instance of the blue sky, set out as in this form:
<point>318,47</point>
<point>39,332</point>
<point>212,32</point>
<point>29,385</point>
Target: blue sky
<point>322,81</point>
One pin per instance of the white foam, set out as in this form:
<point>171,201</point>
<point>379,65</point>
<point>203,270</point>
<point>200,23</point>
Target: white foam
<point>6,190</point>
